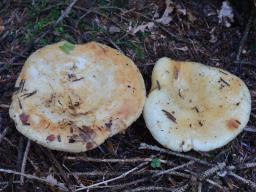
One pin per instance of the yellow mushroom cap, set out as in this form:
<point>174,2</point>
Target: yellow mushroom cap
<point>73,97</point>
<point>194,106</point>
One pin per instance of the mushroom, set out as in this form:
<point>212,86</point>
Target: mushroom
<point>194,106</point>
<point>73,97</point>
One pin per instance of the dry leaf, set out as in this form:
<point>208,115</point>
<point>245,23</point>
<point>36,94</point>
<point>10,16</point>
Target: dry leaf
<point>226,15</point>
<point>50,179</point>
<point>142,27</point>
<point>166,18</point>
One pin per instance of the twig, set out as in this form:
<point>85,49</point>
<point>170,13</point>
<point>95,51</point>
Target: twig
<point>10,143</point>
<point>247,165</point>
<point>98,160</point>
<point>168,171</point>
<point>173,169</point>
<point>200,184</point>
<point>115,45</point>
<point>151,188</point>
<point>250,129</point>
<point>113,179</point>
<point>182,189</point>
<point>59,185</point>
<point>245,181</point>
<point>78,181</point>
<point>65,13</point>
<point>131,160</point>
<point>215,184</point>
<point>155,148</point>
<point>242,166</point>
<point>20,153</point>
<point>59,168</point>
<point>143,172</point>
<point>2,135</point>
<point>4,106</point>
<point>248,63</point>
<point>24,162</point>
<point>242,42</point>
<point>211,171</point>
<point>8,182</point>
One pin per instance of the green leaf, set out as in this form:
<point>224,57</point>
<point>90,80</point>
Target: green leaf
<point>155,163</point>
<point>139,52</point>
<point>67,47</point>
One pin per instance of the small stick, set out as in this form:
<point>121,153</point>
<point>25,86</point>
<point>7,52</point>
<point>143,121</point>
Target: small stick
<point>143,172</point>
<point>113,179</point>
<point>245,181</point>
<point>182,189</point>
<point>29,176</point>
<point>78,181</point>
<point>4,106</point>
<point>200,185</point>
<point>248,63</point>
<point>215,184</point>
<point>59,168</point>
<point>115,45</point>
<point>242,42</point>
<point>150,188</point>
<point>24,162</point>
<point>2,135</point>
<point>250,129</point>
<point>132,160</point>
<point>20,153</point>
<point>212,171</point>
<point>168,171</point>
<point>8,182</point>
<point>155,148</point>
<point>242,166</point>
<point>247,165</point>
<point>65,13</point>
<point>173,169</point>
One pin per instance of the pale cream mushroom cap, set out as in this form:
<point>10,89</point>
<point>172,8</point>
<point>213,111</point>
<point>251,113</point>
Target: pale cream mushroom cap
<point>194,106</point>
<point>73,101</point>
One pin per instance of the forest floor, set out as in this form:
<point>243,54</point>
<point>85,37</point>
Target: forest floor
<point>133,161</point>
